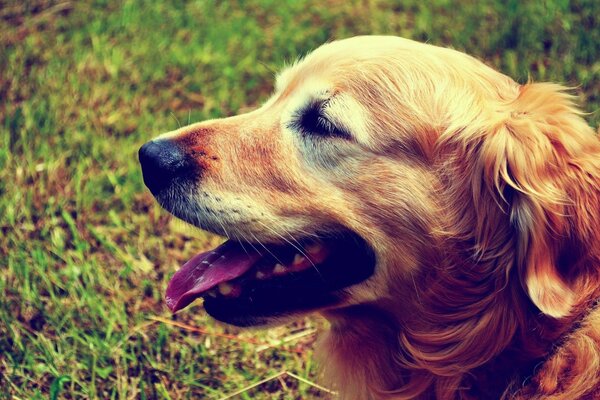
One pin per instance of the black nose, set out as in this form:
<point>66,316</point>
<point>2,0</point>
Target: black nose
<point>162,161</point>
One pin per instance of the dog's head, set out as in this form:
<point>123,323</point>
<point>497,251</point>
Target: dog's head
<point>372,155</point>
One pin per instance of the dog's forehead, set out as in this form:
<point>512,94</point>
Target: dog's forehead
<point>331,61</point>
<point>354,50</point>
<point>366,67</point>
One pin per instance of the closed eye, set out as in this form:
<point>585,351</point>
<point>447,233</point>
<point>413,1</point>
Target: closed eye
<point>312,120</point>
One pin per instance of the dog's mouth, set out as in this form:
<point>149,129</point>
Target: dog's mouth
<point>250,284</point>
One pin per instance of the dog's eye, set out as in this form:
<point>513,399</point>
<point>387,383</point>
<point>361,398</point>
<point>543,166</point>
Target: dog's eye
<point>312,120</point>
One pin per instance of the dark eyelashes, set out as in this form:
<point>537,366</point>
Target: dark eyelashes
<point>311,120</point>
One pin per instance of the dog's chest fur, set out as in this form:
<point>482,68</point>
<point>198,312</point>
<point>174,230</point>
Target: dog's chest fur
<point>572,369</point>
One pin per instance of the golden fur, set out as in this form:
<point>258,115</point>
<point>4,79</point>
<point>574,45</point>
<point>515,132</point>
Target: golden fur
<point>479,196</point>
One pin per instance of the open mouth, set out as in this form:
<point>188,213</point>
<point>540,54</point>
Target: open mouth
<point>249,284</point>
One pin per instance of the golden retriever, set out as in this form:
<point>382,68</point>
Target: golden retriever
<point>443,218</point>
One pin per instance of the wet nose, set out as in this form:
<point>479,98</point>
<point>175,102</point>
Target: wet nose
<point>162,161</point>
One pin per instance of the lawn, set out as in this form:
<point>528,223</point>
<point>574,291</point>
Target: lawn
<point>85,252</point>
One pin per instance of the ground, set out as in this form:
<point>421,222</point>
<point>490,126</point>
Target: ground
<point>85,252</point>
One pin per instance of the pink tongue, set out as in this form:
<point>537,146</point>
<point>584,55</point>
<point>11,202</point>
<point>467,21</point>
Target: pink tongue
<point>206,270</point>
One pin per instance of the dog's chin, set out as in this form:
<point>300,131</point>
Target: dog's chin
<point>269,312</point>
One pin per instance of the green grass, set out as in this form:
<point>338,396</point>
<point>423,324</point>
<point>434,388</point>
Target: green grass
<point>85,252</point>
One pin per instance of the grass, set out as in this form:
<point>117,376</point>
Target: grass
<point>85,252</point>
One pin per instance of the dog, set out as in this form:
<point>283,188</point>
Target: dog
<point>443,218</point>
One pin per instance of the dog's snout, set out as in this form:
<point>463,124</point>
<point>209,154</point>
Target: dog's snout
<point>162,161</point>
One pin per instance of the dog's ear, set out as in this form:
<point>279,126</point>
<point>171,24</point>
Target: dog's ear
<point>528,162</point>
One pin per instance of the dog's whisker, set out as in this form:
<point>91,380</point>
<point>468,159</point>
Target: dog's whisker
<point>294,246</point>
<point>174,116</point>
<point>266,248</point>
<point>252,244</point>
<point>241,243</point>
<point>292,237</point>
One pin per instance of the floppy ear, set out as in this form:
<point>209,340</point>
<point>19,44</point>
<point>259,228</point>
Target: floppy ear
<point>529,165</point>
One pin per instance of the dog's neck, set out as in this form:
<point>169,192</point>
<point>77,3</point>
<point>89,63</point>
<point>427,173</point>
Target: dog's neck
<point>360,342</point>
<point>364,341</point>
<point>572,371</point>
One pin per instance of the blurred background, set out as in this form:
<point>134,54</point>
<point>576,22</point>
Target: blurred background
<point>85,252</point>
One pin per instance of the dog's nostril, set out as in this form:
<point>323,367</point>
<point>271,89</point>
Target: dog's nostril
<point>163,154</point>
<point>162,161</point>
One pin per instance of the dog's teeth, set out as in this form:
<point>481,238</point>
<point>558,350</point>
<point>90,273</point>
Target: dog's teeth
<point>212,293</point>
<point>316,252</point>
<point>260,275</point>
<point>225,288</point>
<point>314,249</point>
<point>298,259</point>
<point>279,269</point>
